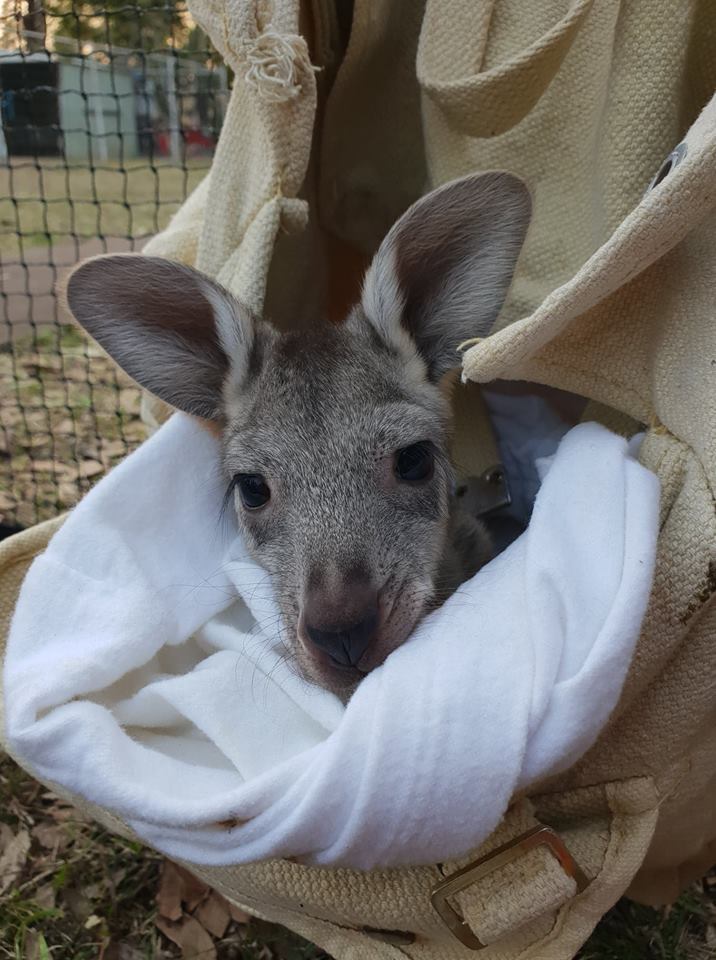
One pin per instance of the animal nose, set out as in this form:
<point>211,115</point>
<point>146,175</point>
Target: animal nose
<point>345,643</point>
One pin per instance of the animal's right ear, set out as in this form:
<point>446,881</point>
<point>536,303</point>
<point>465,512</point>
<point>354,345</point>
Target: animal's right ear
<point>442,272</point>
<point>171,328</point>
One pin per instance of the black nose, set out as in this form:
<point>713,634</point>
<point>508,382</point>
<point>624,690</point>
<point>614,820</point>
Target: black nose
<point>345,644</point>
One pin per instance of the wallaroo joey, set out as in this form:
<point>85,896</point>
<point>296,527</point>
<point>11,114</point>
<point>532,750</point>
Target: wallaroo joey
<point>334,442</point>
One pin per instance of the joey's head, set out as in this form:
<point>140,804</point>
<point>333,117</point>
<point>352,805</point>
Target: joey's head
<point>334,443</point>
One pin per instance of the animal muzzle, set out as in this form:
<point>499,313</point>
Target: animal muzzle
<point>341,623</point>
<point>346,643</point>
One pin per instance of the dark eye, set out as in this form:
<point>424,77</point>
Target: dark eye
<point>253,490</point>
<point>414,463</point>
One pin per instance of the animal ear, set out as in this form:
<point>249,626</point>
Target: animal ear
<point>442,272</point>
<point>172,329</point>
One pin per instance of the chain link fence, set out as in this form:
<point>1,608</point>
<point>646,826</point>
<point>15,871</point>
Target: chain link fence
<point>110,114</point>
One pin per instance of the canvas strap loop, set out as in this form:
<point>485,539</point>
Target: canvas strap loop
<point>534,885</point>
<point>525,871</point>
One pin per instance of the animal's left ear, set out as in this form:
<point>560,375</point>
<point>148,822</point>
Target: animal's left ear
<point>442,273</point>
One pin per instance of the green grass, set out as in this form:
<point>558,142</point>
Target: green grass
<point>45,201</point>
<point>685,931</point>
<point>52,339</point>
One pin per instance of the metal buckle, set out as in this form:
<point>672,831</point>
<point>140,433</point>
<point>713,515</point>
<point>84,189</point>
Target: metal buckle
<point>536,837</point>
<point>485,494</point>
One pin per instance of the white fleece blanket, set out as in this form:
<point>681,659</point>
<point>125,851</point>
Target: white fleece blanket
<point>143,670</point>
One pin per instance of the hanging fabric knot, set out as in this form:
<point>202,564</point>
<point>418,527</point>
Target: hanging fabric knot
<point>273,64</point>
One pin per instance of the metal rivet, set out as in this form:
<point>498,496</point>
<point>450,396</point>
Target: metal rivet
<point>673,160</point>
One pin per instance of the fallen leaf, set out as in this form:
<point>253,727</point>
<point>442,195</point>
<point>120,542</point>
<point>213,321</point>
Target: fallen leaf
<point>114,448</point>
<point>6,836</point>
<point>115,880</point>
<point>31,946</point>
<point>237,914</point>
<point>13,859</point>
<point>93,890</point>
<point>35,946</point>
<point>77,903</point>
<point>92,921</point>
<point>68,494</point>
<point>90,468</point>
<point>189,935</point>
<point>62,813</point>
<point>214,914</point>
<point>43,466</point>
<point>46,896</point>
<point>20,811</point>
<point>50,835</point>
<point>122,951</point>
<point>169,894</point>
<point>193,891</point>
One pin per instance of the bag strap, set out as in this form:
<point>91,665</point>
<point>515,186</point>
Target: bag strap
<point>535,887</point>
<point>550,870</point>
<point>526,874</point>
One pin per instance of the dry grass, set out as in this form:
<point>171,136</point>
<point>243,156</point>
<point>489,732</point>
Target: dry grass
<point>684,931</point>
<point>67,416</point>
<point>70,890</point>
<point>45,201</point>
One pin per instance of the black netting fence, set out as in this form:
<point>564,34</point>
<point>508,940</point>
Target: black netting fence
<point>110,114</point>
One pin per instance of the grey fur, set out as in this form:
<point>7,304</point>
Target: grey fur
<point>321,415</point>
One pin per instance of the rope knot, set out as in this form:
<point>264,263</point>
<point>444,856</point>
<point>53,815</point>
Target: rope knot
<point>273,64</point>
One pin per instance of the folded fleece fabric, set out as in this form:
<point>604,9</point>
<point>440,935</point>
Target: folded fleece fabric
<point>143,669</point>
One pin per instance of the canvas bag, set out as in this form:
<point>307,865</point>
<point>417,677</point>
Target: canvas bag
<point>249,222</point>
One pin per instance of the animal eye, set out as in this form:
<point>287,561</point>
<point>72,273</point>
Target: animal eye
<point>414,463</point>
<point>253,490</point>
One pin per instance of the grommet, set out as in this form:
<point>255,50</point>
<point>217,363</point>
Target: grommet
<point>672,161</point>
<point>484,494</point>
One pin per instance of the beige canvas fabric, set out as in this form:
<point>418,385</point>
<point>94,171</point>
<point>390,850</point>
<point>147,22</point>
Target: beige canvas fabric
<point>647,347</point>
<point>583,98</point>
<point>612,300</point>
